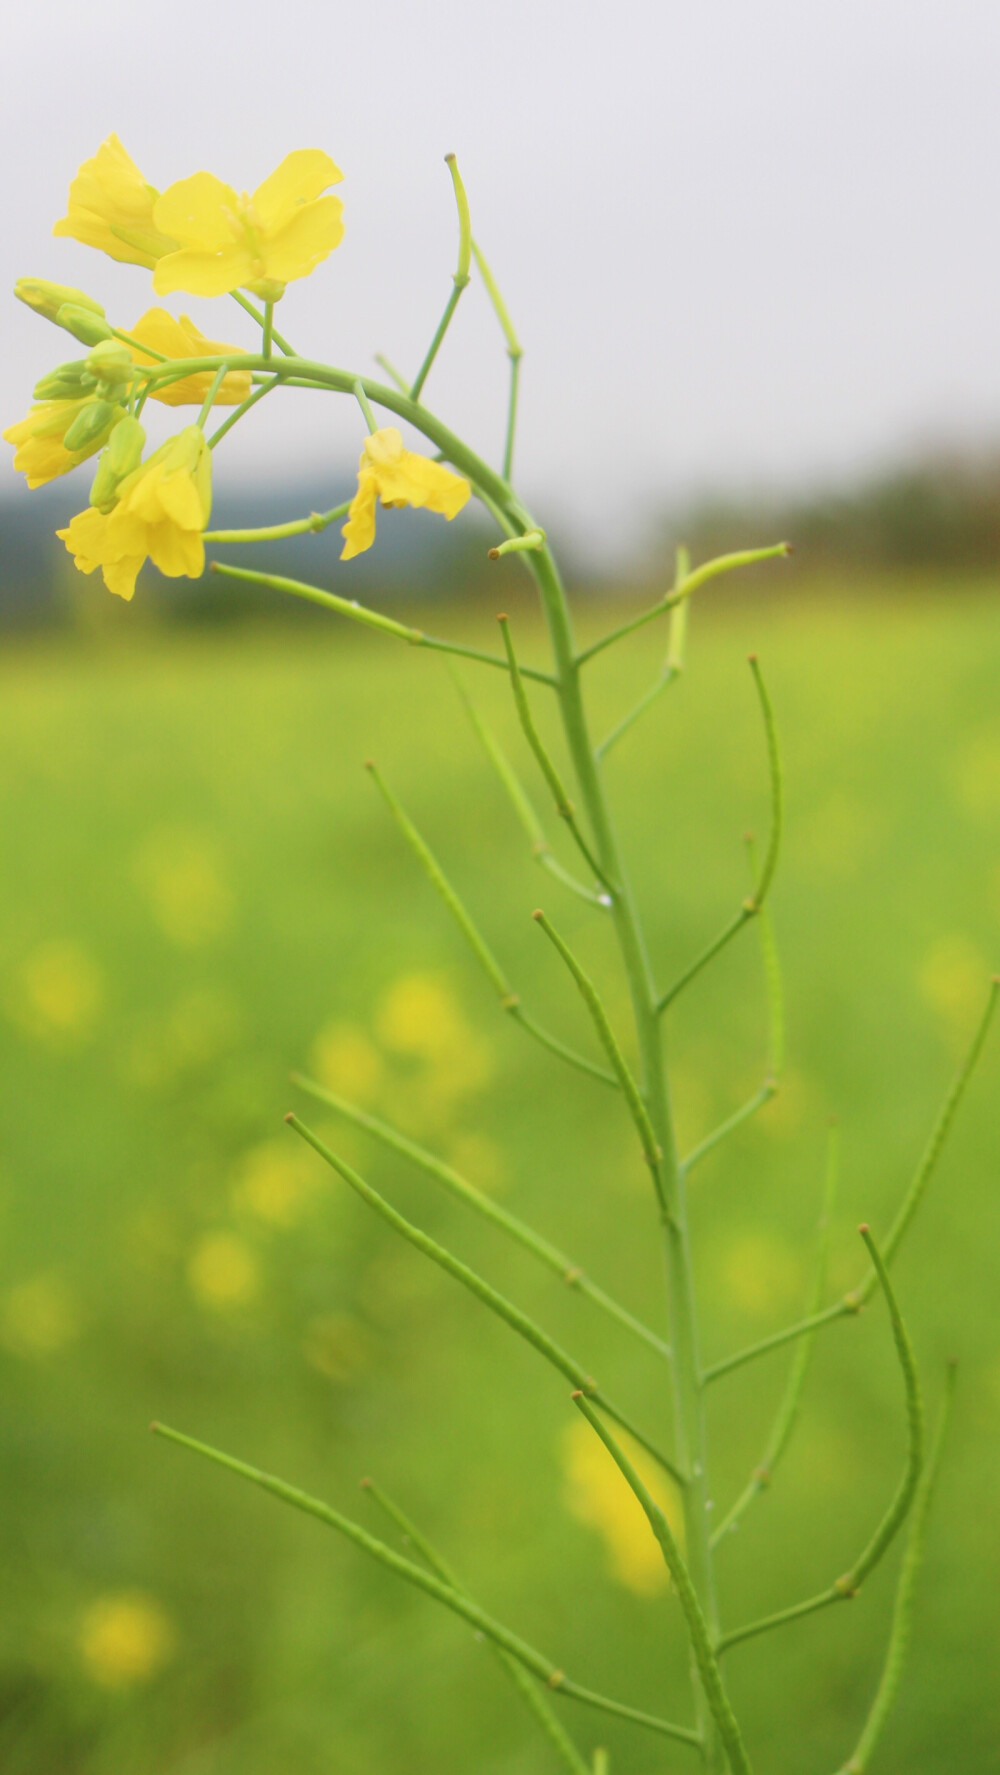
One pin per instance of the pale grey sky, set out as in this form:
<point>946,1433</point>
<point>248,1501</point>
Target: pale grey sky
<point>743,240</point>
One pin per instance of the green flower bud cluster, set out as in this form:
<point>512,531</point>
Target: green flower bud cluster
<point>121,455</point>
<point>72,309</point>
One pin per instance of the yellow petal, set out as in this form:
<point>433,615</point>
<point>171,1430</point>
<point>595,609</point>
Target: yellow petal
<point>176,552</point>
<point>359,531</point>
<point>198,212</point>
<point>110,192</point>
<point>309,237</point>
<point>435,486</point>
<point>299,179</point>
<point>181,338</point>
<point>120,576</point>
<point>204,273</point>
<point>86,538</point>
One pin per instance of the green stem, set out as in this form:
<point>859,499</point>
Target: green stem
<point>490,1297</point>
<point>708,1667</point>
<point>688,1394</point>
<point>268,329</point>
<point>460,279</point>
<point>209,401</point>
<point>672,666</point>
<point>761,1096</point>
<point>850,1583</point>
<point>520,801</point>
<point>514,352</point>
<point>349,607</point>
<point>529,1691</point>
<point>315,522</point>
<point>564,807</point>
<point>710,569</point>
<point>244,407</point>
<point>785,1420</point>
<point>365,405</point>
<point>396,375</point>
<point>839,1310</point>
<point>254,312</point>
<point>158,357</point>
<point>432,1585</point>
<point>555,1260</point>
<point>902,1614</point>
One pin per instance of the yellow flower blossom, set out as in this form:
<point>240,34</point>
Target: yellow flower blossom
<point>41,454</point>
<point>111,207</point>
<point>174,338</point>
<point>125,1638</point>
<point>398,477</point>
<point>163,507</point>
<point>259,242</point>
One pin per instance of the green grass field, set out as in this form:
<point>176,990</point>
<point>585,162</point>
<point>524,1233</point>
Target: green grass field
<point>202,892</point>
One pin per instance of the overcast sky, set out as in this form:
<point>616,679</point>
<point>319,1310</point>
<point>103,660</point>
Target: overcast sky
<point>744,241</point>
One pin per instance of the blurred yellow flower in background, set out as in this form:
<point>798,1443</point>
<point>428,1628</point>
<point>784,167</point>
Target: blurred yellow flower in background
<point>174,338</point>
<point>761,1272</point>
<point>58,993</point>
<point>181,871</point>
<point>399,477</point>
<point>111,207</point>
<point>125,1638</point>
<point>38,1317</point>
<point>163,507</point>
<point>223,1271</point>
<point>420,1018</point>
<point>259,242</point>
<point>275,1182</point>
<point>953,980</point>
<point>596,1493</point>
<point>346,1061</point>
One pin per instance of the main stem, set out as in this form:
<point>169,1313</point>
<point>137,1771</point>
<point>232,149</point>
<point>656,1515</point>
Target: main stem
<point>688,1392</point>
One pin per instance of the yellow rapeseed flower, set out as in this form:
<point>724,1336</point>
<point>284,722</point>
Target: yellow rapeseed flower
<point>163,507</point>
<point>41,454</point>
<point>398,477</point>
<point>111,207</point>
<point>174,338</point>
<point>125,1638</point>
<point>259,242</point>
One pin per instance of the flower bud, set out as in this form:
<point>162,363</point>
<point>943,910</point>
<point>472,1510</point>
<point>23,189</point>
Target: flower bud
<point>110,363</point>
<point>121,454</point>
<point>90,426</point>
<point>47,299</point>
<point>83,323</point>
<point>67,383</point>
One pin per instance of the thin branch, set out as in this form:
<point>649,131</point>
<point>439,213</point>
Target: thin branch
<point>701,1646</point>
<point>460,277</point>
<point>555,1260</point>
<point>672,666</point>
<point>840,1309</point>
<point>520,801</point>
<point>432,1585</point>
<point>700,575</point>
<point>762,1095</point>
<point>651,1150</point>
<point>498,1303</point>
<point>350,607</point>
<point>514,352</point>
<point>529,1691</point>
<point>509,999</point>
<point>932,1152</point>
<point>758,896</point>
<point>902,1614</point>
<point>850,1583</point>
<point>787,1414</point>
<point>564,807</point>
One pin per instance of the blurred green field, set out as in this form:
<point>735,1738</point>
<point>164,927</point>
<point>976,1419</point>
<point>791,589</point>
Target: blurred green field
<point>201,892</point>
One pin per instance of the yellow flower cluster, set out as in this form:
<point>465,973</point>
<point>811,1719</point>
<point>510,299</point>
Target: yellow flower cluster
<point>202,236</point>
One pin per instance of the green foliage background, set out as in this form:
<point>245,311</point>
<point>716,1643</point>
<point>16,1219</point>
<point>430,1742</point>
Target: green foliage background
<point>198,879</point>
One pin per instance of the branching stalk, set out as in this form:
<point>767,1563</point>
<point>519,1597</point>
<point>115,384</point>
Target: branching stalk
<point>555,1260</point>
<point>529,1691</point>
<point>432,1585</point>
<point>498,1303</point>
<point>902,1614</point>
<point>847,1586</point>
